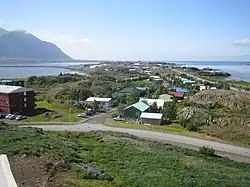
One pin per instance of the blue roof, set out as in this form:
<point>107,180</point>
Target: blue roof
<point>179,89</point>
<point>139,105</point>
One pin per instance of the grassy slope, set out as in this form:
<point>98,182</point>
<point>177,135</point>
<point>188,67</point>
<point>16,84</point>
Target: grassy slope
<point>130,160</point>
<point>163,128</point>
<point>62,109</point>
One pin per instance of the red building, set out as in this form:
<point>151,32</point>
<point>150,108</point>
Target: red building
<point>16,99</point>
<point>177,95</point>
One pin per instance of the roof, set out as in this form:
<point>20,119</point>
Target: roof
<point>139,105</point>
<point>98,99</point>
<point>166,97</point>
<point>149,115</point>
<point>127,90</point>
<point>177,94</point>
<point>12,89</point>
<point>141,88</point>
<point>179,89</point>
<point>159,102</point>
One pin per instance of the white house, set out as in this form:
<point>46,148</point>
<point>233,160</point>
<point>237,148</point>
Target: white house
<point>101,101</point>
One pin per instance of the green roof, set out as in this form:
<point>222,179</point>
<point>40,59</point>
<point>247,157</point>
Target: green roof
<point>139,105</point>
<point>166,97</point>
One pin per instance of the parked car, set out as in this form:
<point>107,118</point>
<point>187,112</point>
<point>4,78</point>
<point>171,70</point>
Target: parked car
<point>118,119</point>
<point>2,116</point>
<point>7,116</point>
<point>19,117</point>
<point>83,115</point>
<point>12,116</point>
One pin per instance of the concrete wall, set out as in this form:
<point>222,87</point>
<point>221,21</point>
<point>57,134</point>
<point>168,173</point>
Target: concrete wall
<point>6,177</point>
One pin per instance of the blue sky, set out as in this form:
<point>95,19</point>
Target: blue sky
<point>136,29</point>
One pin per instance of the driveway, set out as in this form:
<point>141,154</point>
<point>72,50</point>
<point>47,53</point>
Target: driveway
<point>230,151</point>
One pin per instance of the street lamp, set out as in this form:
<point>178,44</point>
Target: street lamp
<point>69,113</point>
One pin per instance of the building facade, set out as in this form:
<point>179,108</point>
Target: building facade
<point>15,99</point>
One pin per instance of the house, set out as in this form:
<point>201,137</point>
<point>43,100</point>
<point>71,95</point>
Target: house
<point>16,99</point>
<point>166,97</point>
<point>134,111</point>
<point>178,89</point>
<point>101,101</point>
<point>177,95</point>
<point>150,102</point>
<point>151,118</point>
<point>127,91</point>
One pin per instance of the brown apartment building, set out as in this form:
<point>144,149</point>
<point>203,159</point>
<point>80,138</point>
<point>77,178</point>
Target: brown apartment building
<point>16,99</point>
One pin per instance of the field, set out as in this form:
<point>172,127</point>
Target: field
<point>174,128</point>
<point>108,159</point>
<point>56,111</point>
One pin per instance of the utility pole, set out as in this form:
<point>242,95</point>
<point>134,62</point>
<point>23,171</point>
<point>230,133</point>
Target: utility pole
<point>69,113</point>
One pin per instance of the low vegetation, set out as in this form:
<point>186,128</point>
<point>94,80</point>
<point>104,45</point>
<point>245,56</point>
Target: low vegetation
<point>62,159</point>
<point>223,114</point>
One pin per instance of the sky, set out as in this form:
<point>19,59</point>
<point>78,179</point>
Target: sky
<point>136,29</point>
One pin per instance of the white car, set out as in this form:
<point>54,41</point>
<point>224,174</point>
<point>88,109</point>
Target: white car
<point>19,117</point>
<point>12,116</point>
<point>8,115</point>
<point>82,115</point>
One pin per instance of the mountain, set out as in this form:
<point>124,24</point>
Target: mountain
<point>20,44</point>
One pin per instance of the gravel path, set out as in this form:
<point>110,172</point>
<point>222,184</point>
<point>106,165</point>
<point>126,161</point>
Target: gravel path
<point>231,151</point>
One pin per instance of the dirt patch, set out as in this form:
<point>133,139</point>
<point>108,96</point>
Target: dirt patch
<point>44,171</point>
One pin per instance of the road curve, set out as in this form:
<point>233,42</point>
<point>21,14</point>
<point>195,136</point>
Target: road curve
<point>231,151</point>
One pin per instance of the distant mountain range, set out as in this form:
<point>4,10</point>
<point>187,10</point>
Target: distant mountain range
<point>20,44</point>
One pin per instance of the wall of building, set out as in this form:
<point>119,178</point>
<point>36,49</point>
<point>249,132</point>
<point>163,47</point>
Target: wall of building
<point>4,104</point>
<point>131,113</point>
<point>151,121</point>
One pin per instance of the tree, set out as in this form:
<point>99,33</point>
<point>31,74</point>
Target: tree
<point>132,98</point>
<point>94,105</point>
<point>153,108</point>
<point>170,112</point>
<point>120,108</point>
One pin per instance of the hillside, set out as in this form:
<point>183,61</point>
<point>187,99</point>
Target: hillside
<point>19,44</point>
<point>106,159</point>
<point>223,113</point>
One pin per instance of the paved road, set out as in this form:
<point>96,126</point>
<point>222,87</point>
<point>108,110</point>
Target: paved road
<point>231,151</point>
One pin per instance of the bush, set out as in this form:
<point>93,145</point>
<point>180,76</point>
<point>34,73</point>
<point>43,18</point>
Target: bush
<point>93,171</point>
<point>208,151</point>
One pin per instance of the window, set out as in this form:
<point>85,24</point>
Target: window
<point>24,93</point>
<point>25,105</point>
<point>25,99</point>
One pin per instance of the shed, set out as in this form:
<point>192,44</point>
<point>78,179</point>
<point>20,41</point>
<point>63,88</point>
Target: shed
<point>151,118</point>
<point>134,111</point>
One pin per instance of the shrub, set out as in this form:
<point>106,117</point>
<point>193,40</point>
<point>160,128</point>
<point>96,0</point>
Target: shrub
<point>209,151</point>
<point>93,171</point>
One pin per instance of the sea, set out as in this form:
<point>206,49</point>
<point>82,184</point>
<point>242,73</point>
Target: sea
<point>237,70</point>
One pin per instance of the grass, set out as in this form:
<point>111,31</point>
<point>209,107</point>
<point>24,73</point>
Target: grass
<point>132,162</point>
<point>174,128</point>
<point>61,109</point>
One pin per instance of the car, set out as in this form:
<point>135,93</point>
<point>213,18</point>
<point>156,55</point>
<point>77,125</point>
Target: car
<point>2,116</point>
<point>118,119</point>
<point>7,116</point>
<point>12,116</point>
<point>83,115</point>
<point>19,117</point>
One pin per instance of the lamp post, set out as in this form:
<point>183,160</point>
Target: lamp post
<point>69,113</point>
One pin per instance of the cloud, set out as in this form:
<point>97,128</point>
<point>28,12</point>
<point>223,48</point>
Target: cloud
<point>245,42</point>
<point>60,38</point>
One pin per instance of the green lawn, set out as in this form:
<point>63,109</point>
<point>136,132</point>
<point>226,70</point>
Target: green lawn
<point>108,159</point>
<point>174,128</point>
<point>60,109</point>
